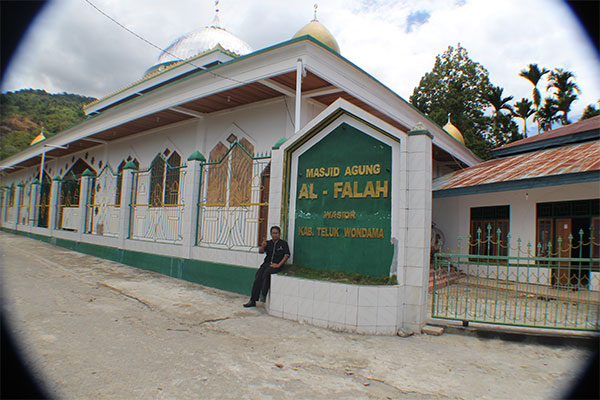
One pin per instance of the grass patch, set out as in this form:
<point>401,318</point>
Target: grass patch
<point>301,271</point>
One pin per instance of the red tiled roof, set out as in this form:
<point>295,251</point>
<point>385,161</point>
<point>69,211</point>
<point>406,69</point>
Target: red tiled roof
<point>582,157</point>
<point>581,126</point>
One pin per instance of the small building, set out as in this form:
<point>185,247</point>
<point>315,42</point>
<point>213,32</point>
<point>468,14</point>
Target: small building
<point>543,190</point>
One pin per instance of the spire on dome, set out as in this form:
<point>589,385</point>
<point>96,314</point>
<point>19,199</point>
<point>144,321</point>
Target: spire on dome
<point>453,131</point>
<point>216,22</point>
<point>315,29</point>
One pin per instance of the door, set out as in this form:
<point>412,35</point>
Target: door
<point>560,275</point>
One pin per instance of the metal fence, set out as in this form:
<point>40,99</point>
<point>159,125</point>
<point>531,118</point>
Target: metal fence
<point>533,285</point>
<point>68,212</point>
<point>233,206</point>
<point>104,208</point>
<point>157,204</point>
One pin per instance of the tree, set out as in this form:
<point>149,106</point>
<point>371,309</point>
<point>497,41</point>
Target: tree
<point>523,110</point>
<point>533,74</point>
<point>494,97</point>
<point>565,91</point>
<point>590,111</point>
<point>456,85</point>
<point>546,115</point>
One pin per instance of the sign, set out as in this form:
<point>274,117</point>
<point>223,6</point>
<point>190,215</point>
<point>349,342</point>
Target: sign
<point>343,204</point>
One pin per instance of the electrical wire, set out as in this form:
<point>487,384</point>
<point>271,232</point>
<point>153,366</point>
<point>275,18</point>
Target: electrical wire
<point>158,47</point>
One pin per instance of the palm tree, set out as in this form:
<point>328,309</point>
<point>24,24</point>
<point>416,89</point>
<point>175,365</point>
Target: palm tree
<point>523,110</point>
<point>533,75</point>
<point>546,115</point>
<point>565,91</point>
<point>494,97</point>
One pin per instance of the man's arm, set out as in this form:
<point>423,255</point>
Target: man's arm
<point>262,247</point>
<point>283,260</point>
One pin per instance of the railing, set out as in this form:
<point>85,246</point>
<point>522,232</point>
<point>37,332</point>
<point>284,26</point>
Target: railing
<point>68,210</point>
<point>157,207</point>
<point>544,289</point>
<point>232,211</point>
<point>103,214</point>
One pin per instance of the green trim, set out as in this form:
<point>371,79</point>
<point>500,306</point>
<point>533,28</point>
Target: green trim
<point>88,173</point>
<point>20,184</point>
<point>531,183</point>
<point>129,165</point>
<point>231,278</point>
<point>278,144</point>
<point>57,178</point>
<point>197,156</point>
<point>35,181</point>
<point>287,157</point>
<point>421,132</point>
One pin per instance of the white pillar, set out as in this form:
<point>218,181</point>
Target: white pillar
<point>126,198</point>
<point>299,74</point>
<point>54,200</point>
<point>33,200</point>
<point>18,193</point>
<point>84,191</point>
<point>191,199</point>
<point>418,235</point>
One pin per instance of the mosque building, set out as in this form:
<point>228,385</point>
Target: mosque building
<point>183,171</point>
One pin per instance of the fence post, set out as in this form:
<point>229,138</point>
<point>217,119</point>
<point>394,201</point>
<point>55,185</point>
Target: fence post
<point>33,200</point>
<point>191,200</point>
<point>126,198</point>
<point>18,193</point>
<point>54,200</point>
<point>84,193</point>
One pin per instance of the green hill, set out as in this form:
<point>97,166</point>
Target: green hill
<point>24,112</point>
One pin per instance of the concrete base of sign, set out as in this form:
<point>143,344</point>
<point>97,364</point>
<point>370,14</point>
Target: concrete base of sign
<point>341,307</point>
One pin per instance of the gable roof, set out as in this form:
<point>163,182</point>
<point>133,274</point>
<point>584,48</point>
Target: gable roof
<point>547,167</point>
<point>588,129</point>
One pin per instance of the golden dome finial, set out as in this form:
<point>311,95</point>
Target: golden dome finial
<point>315,29</point>
<point>453,131</point>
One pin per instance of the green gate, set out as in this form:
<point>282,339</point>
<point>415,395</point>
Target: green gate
<point>534,286</point>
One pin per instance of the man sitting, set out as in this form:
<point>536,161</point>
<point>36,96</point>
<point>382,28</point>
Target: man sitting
<point>277,252</point>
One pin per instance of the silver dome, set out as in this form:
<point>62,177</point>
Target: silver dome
<point>203,40</point>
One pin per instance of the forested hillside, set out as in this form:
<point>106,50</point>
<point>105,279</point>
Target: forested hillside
<point>24,112</point>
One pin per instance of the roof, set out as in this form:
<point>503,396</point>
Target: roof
<point>566,160</point>
<point>172,96</point>
<point>556,137</point>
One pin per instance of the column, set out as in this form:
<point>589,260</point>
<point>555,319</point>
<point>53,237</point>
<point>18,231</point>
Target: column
<point>84,192</point>
<point>18,193</point>
<point>33,210</point>
<point>418,237</point>
<point>126,198</point>
<point>54,200</point>
<point>191,200</point>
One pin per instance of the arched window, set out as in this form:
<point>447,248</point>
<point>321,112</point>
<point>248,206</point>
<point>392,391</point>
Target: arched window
<point>172,179</point>
<point>230,178</point>
<point>69,188</point>
<point>164,180</point>
<point>120,179</point>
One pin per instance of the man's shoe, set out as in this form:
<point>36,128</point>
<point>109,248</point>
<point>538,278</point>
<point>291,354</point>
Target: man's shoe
<point>263,299</point>
<point>250,304</point>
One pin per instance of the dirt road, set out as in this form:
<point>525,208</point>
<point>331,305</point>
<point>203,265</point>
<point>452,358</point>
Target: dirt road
<point>98,329</point>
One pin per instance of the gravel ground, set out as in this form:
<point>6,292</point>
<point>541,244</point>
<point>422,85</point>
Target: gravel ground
<point>98,329</point>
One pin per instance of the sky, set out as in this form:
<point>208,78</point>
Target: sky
<point>70,47</point>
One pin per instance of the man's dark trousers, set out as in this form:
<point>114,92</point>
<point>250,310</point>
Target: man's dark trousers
<point>262,280</point>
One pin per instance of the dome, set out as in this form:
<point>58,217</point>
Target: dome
<point>453,131</point>
<point>201,41</point>
<point>315,29</point>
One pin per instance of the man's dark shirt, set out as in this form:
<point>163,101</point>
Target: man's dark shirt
<point>274,252</point>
